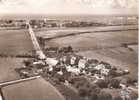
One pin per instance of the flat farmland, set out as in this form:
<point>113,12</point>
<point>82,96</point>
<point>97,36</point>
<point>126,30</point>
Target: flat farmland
<point>7,66</point>
<point>56,32</point>
<point>15,42</point>
<point>96,40</point>
<point>37,89</point>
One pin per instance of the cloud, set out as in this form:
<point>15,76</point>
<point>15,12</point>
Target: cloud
<point>68,6</point>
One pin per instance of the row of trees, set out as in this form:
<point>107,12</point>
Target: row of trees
<point>82,24</point>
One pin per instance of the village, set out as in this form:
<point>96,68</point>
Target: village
<point>69,50</point>
<point>87,76</point>
<point>65,65</point>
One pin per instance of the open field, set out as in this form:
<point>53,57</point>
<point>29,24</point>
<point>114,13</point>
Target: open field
<point>57,32</point>
<point>7,66</point>
<point>37,89</point>
<point>96,40</point>
<point>104,46</point>
<point>15,42</point>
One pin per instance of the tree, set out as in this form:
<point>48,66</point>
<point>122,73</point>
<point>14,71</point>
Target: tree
<point>102,83</point>
<point>83,91</point>
<point>113,73</point>
<point>118,98</point>
<point>93,96</point>
<point>115,83</point>
<point>104,96</point>
<point>130,80</point>
<point>27,62</point>
<point>79,84</point>
<point>94,89</point>
<point>134,96</point>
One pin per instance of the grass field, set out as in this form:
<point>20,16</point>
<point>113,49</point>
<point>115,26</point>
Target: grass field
<point>50,33</point>
<point>37,89</point>
<point>13,42</point>
<point>96,40</point>
<point>7,66</point>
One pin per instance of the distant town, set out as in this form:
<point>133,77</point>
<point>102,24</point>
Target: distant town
<point>53,23</point>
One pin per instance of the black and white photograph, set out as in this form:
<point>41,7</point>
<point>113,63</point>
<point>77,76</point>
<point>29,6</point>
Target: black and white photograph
<point>69,49</point>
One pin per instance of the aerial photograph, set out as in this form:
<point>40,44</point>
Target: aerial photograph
<point>69,49</point>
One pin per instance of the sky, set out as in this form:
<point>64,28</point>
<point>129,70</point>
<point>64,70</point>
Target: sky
<point>68,6</point>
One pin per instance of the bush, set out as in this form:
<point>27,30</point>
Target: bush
<point>71,81</point>
<point>131,80</point>
<point>93,61</point>
<point>93,96</point>
<point>113,73</point>
<point>118,98</point>
<point>27,62</point>
<point>59,77</point>
<point>134,96</point>
<point>83,91</point>
<point>104,96</point>
<point>94,88</point>
<point>115,83</point>
<point>78,84</point>
<point>102,83</point>
<point>79,79</point>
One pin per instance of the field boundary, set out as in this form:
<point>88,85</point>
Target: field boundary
<point>85,32</point>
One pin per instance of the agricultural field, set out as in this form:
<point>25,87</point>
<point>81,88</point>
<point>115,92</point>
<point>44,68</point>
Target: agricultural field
<point>37,89</point>
<point>15,42</point>
<point>7,66</point>
<point>102,43</point>
<point>96,40</point>
<point>56,32</point>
